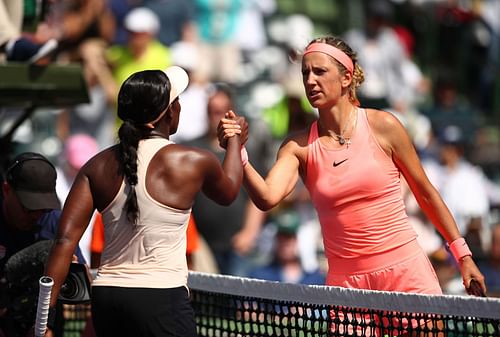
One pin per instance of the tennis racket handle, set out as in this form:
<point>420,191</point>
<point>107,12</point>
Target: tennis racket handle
<point>475,289</point>
<point>42,312</point>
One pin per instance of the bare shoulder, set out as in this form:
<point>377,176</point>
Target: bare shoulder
<point>104,163</point>
<point>296,140</point>
<point>103,174</point>
<point>296,145</point>
<point>382,121</point>
<point>194,161</point>
<point>387,129</point>
<point>186,153</point>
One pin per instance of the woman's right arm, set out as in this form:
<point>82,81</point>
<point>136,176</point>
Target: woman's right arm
<point>222,183</point>
<point>75,217</point>
<point>269,192</point>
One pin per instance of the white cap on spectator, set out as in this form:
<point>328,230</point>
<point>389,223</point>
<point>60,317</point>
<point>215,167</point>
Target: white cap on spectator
<point>142,20</point>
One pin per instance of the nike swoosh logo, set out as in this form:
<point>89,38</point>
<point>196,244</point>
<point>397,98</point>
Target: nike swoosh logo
<point>335,164</point>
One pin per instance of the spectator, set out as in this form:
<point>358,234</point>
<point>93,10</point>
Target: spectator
<point>485,152</point>
<point>251,32</point>
<point>193,123</point>
<point>217,26</point>
<point>85,29</point>
<point>462,185</point>
<point>27,193</point>
<point>29,213</point>
<point>285,265</point>
<point>381,55</point>
<point>448,107</point>
<point>143,51</point>
<point>78,149</point>
<point>78,22</point>
<point>177,20</point>
<point>119,10</point>
<point>95,118</point>
<point>17,47</point>
<point>485,91</point>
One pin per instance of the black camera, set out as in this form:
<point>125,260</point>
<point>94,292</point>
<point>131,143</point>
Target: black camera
<point>76,287</point>
<point>24,269</point>
<point>19,287</point>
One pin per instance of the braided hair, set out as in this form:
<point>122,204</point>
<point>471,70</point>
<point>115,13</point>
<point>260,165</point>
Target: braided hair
<point>141,99</point>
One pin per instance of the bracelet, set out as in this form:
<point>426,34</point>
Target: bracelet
<point>51,318</point>
<point>244,156</point>
<point>459,249</point>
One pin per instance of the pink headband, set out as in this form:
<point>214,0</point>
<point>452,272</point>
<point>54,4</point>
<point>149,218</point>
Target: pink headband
<point>332,51</point>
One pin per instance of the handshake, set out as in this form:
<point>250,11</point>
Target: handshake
<point>232,125</point>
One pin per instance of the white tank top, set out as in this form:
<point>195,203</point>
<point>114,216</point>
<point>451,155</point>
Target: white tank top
<point>151,254</point>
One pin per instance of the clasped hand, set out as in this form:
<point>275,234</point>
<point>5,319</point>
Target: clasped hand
<point>230,126</point>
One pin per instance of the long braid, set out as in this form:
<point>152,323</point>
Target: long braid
<point>142,97</point>
<point>129,137</point>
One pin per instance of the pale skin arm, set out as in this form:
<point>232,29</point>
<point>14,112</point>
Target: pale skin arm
<point>395,140</point>
<point>267,192</point>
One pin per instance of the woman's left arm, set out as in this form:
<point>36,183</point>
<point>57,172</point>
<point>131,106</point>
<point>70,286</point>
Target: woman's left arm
<point>395,140</point>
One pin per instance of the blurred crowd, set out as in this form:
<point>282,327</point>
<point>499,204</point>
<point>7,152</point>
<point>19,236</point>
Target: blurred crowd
<point>434,64</point>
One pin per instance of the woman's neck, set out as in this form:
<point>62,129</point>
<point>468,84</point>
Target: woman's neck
<point>337,119</point>
<point>158,134</point>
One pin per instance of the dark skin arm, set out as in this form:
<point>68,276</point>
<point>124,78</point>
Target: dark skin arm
<point>175,175</point>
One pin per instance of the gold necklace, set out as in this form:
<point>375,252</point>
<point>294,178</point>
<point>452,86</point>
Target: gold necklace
<point>341,139</point>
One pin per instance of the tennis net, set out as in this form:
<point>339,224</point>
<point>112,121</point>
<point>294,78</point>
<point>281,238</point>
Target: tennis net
<point>227,306</point>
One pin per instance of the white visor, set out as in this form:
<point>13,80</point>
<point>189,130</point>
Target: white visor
<point>179,81</point>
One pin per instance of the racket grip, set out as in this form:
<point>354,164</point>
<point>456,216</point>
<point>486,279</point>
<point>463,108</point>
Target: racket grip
<point>475,289</point>
<point>42,312</point>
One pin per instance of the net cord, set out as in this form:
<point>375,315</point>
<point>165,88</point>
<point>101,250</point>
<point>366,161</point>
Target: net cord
<point>454,305</point>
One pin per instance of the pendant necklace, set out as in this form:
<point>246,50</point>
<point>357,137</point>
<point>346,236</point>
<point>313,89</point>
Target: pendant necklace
<point>341,139</point>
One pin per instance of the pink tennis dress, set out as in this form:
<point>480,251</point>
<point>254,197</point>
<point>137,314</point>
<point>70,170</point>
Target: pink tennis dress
<point>368,240</point>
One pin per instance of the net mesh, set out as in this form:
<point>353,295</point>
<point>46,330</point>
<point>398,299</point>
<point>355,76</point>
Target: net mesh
<point>232,306</point>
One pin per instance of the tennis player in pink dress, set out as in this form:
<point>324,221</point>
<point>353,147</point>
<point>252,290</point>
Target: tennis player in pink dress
<point>352,161</point>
